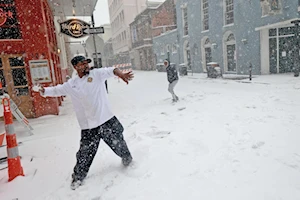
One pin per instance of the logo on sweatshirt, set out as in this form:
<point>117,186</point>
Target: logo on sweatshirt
<point>90,79</point>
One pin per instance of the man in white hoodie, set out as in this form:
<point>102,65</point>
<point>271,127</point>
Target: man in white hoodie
<point>94,115</point>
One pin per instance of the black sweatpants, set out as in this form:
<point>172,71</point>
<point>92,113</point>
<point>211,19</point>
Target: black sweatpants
<point>112,134</point>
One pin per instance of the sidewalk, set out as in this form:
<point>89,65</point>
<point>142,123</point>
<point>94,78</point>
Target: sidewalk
<point>287,79</point>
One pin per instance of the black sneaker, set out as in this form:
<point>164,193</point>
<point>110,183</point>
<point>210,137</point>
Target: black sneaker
<point>126,161</point>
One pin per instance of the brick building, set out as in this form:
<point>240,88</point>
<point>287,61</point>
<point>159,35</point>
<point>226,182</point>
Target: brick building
<point>153,21</point>
<point>32,50</point>
<point>27,38</point>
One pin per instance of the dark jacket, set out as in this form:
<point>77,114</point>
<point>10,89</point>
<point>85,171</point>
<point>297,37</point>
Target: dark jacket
<point>172,73</point>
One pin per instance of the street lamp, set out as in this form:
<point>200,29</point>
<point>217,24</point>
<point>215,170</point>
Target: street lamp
<point>296,47</point>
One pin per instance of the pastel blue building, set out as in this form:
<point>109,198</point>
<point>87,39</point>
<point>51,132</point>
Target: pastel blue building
<point>233,33</point>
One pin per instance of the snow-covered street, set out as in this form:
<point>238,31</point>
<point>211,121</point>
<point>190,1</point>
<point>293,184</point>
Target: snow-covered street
<point>224,140</point>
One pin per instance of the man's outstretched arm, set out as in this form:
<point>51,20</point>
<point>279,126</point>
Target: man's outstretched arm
<point>55,91</point>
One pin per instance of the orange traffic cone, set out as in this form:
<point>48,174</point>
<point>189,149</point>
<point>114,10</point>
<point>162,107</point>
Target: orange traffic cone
<point>13,159</point>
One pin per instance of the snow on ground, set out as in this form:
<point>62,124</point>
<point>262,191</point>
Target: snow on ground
<point>225,139</point>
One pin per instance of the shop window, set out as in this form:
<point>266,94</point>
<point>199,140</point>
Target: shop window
<point>286,31</point>
<point>9,25</point>
<point>19,75</point>
<point>7,1</point>
<point>14,62</point>
<point>273,32</point>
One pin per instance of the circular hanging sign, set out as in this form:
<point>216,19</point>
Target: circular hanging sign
<point>75,28</point>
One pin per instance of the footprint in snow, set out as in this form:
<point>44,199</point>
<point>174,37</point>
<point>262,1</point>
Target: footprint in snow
<point>180,109</point>
<point>258,145</point>
<point>158,134</point>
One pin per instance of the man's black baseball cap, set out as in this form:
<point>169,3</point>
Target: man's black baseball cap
<point>78,59</point>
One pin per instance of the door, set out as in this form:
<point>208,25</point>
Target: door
<point>231,61</point>
<point>208,55</point>
<point>273,55</point>
<point>286,57</point>
<point>14,80</point>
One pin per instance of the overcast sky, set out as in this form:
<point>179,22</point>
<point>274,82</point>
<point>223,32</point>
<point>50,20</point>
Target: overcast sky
<point>101,14</point>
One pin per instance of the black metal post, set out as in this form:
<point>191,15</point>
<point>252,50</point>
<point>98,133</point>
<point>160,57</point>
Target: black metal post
<point>95,47</point>
<point>250,71</point>
<point>94,39</point>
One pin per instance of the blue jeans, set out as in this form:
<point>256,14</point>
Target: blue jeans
<point>171,90</point>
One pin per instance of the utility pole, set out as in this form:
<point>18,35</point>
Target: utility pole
<point>250,71</point>
<point>97,65</point>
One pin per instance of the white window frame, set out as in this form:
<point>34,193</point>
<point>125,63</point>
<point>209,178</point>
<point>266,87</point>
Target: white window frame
<point>203,14</point>
<point>227,5</point>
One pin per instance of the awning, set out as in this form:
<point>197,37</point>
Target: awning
<point>73,7</point>
<point>277,25</point>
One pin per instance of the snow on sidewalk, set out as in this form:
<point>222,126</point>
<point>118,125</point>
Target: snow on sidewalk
<point>224,140</point>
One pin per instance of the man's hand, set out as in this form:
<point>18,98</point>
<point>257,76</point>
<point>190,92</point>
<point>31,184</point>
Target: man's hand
<point>126,77</point>
<point>38,88</point>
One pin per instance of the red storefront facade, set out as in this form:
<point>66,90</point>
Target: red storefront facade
<point>27,35</point>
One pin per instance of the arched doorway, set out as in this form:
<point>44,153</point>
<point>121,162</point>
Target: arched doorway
<point>230,58</point>
<point>206,53</point>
